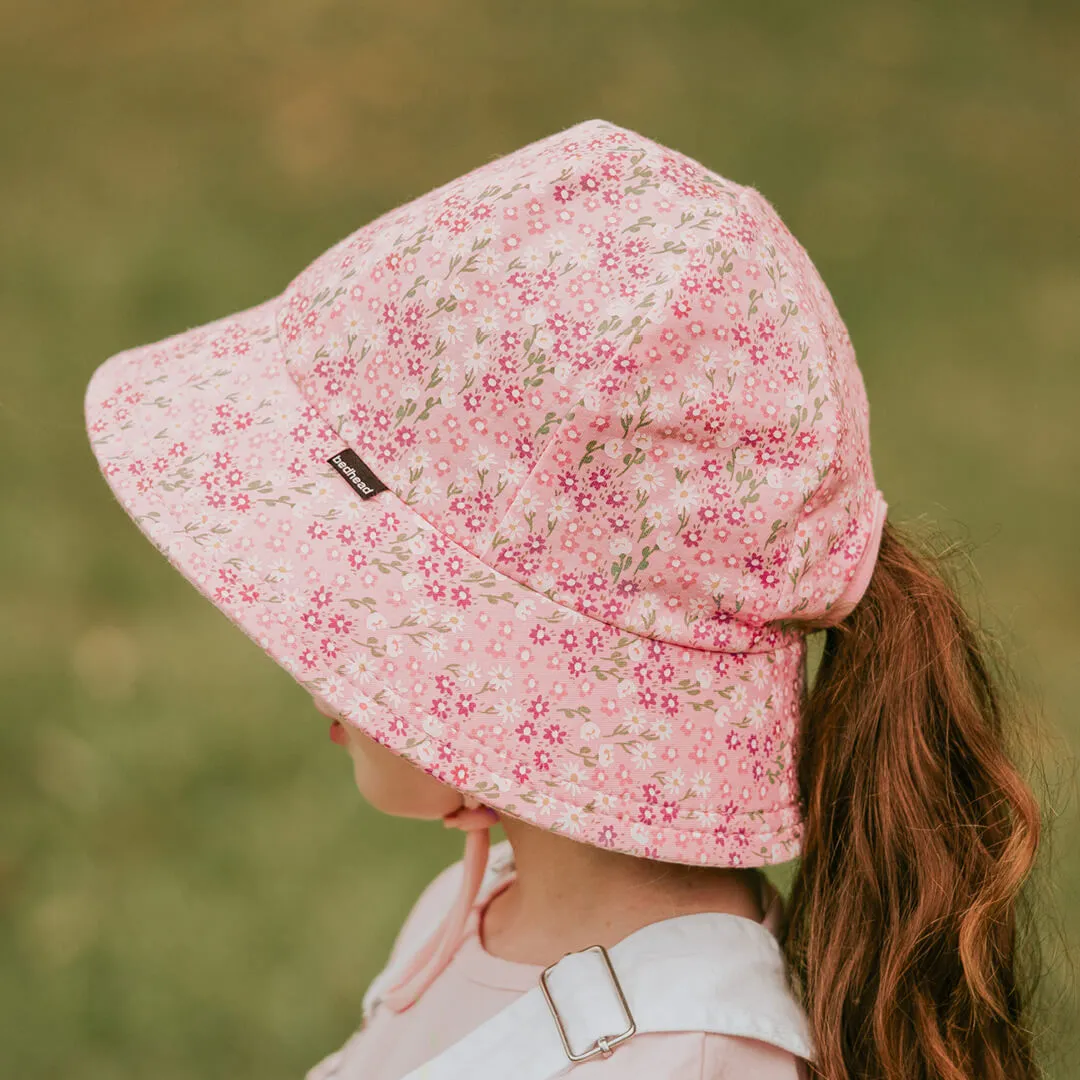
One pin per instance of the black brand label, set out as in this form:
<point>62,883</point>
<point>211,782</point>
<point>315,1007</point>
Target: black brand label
<point>364,482</point>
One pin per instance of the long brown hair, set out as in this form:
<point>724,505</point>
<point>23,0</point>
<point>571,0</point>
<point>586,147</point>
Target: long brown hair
<point>920,832</point>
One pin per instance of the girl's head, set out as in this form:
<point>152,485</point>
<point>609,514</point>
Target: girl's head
<point>540,482</point>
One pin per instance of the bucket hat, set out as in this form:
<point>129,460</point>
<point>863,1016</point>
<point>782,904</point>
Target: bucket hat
<point>532,479</point>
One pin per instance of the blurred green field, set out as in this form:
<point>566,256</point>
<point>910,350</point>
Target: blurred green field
<point>189,884</point>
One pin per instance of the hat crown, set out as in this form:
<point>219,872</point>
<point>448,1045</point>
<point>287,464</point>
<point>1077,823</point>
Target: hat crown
<point>610,374</point>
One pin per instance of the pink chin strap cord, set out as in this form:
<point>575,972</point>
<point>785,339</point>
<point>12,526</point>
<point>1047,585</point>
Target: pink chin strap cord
<point>424,968</point>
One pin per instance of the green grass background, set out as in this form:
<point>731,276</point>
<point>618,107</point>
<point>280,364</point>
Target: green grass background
<point>189,884</point>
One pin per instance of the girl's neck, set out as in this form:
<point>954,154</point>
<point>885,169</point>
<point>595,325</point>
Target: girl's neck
<point>566,896</point>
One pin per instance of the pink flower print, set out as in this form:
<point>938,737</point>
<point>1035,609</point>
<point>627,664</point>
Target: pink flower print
<point>650,793</point>
<point>427,565</point>
<point>555,734</point>
<point>542,759</point>
<point>584,502</point>
<point>568,583</point>
<point>538,708</point>
<point>526,731</point>
<point>594,581</point>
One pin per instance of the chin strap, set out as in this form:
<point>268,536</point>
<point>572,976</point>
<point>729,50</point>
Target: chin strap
<point>476,821</point>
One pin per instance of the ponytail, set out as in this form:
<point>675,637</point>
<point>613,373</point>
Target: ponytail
<point>901,931</point>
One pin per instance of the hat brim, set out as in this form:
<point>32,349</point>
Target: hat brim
<point>211,448</point>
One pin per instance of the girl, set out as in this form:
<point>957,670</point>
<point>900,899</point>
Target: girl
<point>538,484</point>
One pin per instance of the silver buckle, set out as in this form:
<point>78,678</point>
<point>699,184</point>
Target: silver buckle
<point>606,1044</point>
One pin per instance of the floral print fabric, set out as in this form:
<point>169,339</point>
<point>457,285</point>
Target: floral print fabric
<point>623,436</point>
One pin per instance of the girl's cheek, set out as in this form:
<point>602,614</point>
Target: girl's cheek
<point>394,786</point>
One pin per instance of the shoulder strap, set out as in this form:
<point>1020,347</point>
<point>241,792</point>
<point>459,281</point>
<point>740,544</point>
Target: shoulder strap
<point>710,972</point>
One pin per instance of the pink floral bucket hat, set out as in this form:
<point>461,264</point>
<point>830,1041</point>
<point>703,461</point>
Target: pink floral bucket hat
<point>531,480</point>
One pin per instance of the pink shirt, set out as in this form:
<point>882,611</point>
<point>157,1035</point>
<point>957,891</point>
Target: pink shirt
<point>476,985</point>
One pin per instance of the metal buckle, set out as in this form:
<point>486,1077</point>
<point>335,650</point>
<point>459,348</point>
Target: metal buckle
<point>606,1044</point>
